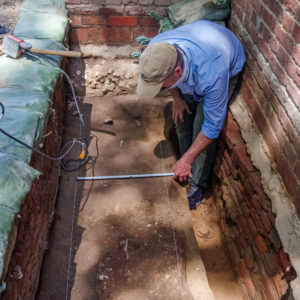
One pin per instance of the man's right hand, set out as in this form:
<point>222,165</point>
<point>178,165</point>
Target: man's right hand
<point>179,107</point>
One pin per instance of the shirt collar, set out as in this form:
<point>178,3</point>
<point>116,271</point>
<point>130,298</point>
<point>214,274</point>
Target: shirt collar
<point>185,71</point>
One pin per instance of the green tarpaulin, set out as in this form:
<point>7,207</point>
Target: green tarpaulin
<point>26,89</point>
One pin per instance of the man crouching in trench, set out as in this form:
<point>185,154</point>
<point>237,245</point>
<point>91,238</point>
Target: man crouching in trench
<point>199,63</point>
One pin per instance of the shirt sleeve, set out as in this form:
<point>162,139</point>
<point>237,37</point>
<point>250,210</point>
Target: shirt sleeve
<point>215,107</point>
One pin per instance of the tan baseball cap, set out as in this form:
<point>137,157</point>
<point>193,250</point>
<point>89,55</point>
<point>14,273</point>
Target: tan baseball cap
<point>156,63</point>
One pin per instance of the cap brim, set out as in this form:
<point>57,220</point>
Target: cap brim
<point>145,90</point>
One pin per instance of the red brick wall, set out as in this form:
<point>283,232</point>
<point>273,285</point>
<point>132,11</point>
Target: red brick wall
<point>270,31</point>
<point>113,21</point>
<point>247,221</point>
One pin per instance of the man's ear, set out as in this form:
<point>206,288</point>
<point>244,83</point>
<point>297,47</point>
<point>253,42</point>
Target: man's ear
<point>177,72</point>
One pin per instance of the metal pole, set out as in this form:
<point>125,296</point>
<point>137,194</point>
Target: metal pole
<point>126,176</point>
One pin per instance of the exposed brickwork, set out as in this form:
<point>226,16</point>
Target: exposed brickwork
<point>113,22</point>
<point>271,28</point>
<point>270,33</point>
<point>255,249</point>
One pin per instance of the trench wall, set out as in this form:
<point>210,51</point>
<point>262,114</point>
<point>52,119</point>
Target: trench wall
<point>257,169</point>
<point>32,94</point>
<point>257,172</point>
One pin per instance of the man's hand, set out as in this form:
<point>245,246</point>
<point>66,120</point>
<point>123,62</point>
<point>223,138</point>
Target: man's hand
<point>182,170</point>
<point>179,107</point>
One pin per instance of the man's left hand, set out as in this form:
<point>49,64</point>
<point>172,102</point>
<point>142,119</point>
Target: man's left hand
<point>182,170</point>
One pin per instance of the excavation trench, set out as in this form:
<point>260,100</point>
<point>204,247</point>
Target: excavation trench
<point>129,239</point>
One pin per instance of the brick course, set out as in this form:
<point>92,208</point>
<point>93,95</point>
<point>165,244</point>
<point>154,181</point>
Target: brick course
<point>114,21</point>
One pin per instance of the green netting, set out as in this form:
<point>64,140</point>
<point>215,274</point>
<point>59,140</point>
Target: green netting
<point>26,89</point>
<point>15,182</point>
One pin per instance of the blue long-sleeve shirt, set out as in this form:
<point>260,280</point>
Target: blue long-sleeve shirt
<point>214,55</point>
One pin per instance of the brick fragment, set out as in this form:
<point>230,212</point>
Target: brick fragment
<point>261,244</point>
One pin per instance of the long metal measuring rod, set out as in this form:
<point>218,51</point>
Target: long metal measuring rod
<point>126,176</point>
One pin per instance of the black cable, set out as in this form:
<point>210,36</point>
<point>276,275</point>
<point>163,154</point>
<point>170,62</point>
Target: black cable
<point>2,111</point>
<point>66,164</point>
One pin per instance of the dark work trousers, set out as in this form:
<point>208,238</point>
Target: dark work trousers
<point>188,131</point>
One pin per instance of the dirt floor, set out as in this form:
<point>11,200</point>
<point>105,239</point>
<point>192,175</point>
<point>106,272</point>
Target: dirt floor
<point>131,239</point>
